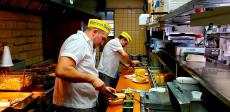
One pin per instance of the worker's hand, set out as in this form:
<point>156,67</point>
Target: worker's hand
<point>131,69</point>
<point>98,84</point>
<point>136,63</point>
<point>133,64</point>
<point>110,89</point>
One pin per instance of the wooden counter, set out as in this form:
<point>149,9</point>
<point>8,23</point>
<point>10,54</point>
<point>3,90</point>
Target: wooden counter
<point>124,83</point>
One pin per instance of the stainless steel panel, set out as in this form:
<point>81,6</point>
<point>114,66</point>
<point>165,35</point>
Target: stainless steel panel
<point>183,97</point>
<point>156,101</point>
<point>214,77</point>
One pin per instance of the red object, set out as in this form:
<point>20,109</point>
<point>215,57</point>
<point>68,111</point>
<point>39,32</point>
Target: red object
<point>168,77</point>
<point>43,67</point>
<point>6,69</point>
<point>199,35</point>
<point>199,10</point>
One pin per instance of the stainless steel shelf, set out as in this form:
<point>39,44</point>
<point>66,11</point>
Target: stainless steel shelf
<point>213,3</point>
<point>214,77</point>
<point>183,13</point>
<point>180,15</point>
<point>218,33</point>
<point>217,16</point>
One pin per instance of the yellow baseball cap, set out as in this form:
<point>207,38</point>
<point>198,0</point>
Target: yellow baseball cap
<point>127,36</point>
<point>100,24</point>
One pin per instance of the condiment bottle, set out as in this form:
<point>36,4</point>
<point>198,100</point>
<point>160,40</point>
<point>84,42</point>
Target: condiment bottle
<point>162,80</point>
<point>128,94</point>
<point>157,79</point>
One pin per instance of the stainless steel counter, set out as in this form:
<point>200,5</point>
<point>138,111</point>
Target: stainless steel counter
<point>2,109</point>
<point>45,96</point>
<point>182,99</point>
<point>214,77</point>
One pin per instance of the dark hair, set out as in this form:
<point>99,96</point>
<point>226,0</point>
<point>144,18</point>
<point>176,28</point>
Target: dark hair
<point>121,37</point>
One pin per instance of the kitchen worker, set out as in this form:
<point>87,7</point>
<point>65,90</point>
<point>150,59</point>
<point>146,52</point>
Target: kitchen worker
<point>110,58</point>
<point>77,83</point>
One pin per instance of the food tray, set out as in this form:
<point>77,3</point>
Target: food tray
<point>15,81</point>
<point>13,98</point>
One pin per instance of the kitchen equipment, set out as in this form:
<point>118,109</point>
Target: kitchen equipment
<point>135,56</point>
<point>182,39</point>
<point>154,70</point>
<point>43,75</point>
<point>195,58</point>
<point>211,43</point>
<point>154,60</point>
<point>6,60</point>
<point>156,101</point>
<point>45,95</point>
<point>212,52</point>
<point>196,94</point>
<point>181,36</point>
<point>128,105</point>
<point>13,98</point>
<point>171,5</point>
<point>158,44</point>
<point>15,81</point>
<point>181,51</point>
<point>182,99</point>
<point>135,90</point>
<point>144,19</point>
<point>128,94</point>
<point>158,89</point>
<point>186,80</point>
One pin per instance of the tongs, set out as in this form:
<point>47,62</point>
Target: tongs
<point>15,101</point>
<point>112,95</point>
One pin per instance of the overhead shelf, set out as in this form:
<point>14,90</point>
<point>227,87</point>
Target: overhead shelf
<point>179,15</point>
<point>217,16</point>
<point>182,14</point>
<point>159,13</point>
<point>213,3</point>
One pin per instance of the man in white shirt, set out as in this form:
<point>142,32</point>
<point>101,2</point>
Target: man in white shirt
<point>110,58</point>
<point>77,83</point>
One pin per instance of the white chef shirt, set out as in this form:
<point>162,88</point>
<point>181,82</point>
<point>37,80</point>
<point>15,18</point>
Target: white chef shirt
<point>110,58</point>
<point>77,95</point>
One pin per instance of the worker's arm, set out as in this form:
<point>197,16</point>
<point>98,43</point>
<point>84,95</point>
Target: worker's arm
<point>65,69</point>
<point>130,68</point>
<point>123,64</point>
<point>125,56</point>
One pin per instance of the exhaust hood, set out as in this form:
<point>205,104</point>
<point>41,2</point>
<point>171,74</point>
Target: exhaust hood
<point>47,7</point>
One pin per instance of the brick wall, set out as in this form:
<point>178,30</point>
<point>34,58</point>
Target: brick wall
<point>127,20</point>
<point>23,33</point>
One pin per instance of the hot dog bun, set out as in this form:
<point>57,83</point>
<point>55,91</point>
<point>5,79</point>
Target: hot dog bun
<point>120,95</point>
<point>116,102</point>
